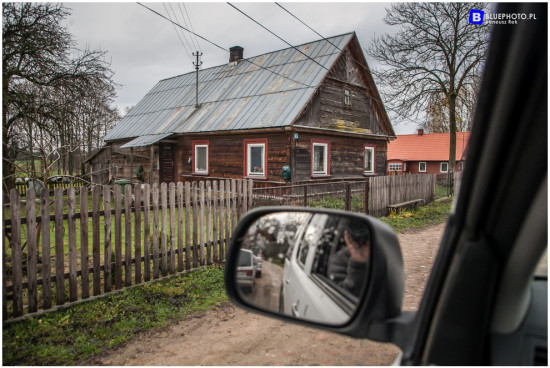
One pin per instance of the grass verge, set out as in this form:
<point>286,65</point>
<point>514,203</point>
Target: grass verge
<point>68,336</point>
<point>432,214</point>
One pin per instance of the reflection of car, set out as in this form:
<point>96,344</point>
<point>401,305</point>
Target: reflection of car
<point>246,270</point>
<point>259,259</point>
<point>306,290</point>
<point>486,302</point>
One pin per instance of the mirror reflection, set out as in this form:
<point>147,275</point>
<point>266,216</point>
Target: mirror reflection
<point>310,266</point>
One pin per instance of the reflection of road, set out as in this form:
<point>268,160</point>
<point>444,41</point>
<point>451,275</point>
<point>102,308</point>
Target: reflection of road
<point>266,290</point>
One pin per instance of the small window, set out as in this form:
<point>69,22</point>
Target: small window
<point>421,167</point>
<point>255,158</point>
<point>444,167</point>
<point>200,157</point>
<point>347,97</point>
<point>320,157</point>
<point>369,160</point>
<point>396,166</point>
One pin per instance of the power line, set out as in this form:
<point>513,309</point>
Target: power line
<point>177,32</point>
<point>199,36</point>
<point>190,24</point>
<point>178,21</point>
<point>258,23</point>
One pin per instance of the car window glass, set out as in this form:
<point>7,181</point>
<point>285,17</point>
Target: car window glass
<point>245,259</point>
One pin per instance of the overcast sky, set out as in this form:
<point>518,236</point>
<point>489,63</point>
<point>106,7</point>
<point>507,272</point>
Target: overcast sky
<point>144,48</point>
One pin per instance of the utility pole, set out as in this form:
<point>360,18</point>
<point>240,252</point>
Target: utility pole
<point>197,65</point>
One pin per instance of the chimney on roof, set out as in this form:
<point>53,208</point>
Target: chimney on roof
<point>235,54</point>
<point>420,131</point>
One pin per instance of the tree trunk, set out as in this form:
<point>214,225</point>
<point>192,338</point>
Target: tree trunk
<point>452,140</point>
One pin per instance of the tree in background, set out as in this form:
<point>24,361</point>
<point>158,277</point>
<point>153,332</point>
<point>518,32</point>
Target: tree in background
<point>52,93</point>
<point>435,57</point>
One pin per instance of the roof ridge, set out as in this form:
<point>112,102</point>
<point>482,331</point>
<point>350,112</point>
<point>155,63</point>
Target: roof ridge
<point>260,55</point>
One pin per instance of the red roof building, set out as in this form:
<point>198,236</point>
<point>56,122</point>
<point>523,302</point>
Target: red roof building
<point>425,153</point>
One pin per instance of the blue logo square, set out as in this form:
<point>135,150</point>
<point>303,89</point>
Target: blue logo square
<point>476,16</point>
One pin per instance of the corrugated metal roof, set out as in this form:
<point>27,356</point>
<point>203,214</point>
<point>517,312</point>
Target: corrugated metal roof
<point>145,140</point>
<point>231,97</point>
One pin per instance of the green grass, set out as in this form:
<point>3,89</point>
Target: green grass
<point>431,214</point>
<point>79,332</point>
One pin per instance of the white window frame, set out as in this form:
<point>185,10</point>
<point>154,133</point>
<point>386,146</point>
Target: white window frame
<point>398,166</point>
<point>372,160</point>
<point>325,159</point>
<point>249,171</point>
<point>347,97</point>
<point>420,166</point>
<point>441,167</point>
<point>197,170</point>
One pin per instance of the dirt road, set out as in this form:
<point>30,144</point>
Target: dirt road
<point>231,336</point>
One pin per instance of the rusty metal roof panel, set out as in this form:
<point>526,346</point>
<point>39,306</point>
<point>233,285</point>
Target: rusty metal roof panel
<point>268,90</point>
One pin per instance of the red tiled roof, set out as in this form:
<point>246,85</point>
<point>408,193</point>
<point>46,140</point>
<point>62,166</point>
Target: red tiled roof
<point>426,147</point>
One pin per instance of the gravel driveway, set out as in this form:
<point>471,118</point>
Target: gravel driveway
<point>231,336</point>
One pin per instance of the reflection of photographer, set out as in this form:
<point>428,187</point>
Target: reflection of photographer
<point>348,266</point>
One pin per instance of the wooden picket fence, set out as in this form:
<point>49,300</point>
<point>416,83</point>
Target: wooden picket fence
<point>166,229</point>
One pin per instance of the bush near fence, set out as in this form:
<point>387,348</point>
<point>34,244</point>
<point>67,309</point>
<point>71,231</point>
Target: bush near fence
<point>151,232</point>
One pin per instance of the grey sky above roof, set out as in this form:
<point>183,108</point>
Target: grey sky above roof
<point>144,48</point>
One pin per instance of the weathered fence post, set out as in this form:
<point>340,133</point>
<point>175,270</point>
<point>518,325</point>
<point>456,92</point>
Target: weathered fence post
<point>195,225</point>
<point>215,220</point>
<point>146,233</point>
<point>46,259</point>
<point>31,250</point>
<point>71,225</point>
<point>187,226</point>
<point>107,238</point>
<point>172,196</point>
<point>137,232</point>
<point>155,231</point>
<point>201,222</point>
<point>59,251</point>
<point>17,269</point>
<point>118,237</point>
<point>163,230</point>
<point>208,222</point>
<point>84,257</point>
<point>128,235</point>
<point>180,226</point>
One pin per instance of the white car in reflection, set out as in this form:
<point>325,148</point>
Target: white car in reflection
<point>246,270</point>
<point>307,292</point>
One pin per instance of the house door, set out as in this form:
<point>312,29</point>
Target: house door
<point>166,163</point>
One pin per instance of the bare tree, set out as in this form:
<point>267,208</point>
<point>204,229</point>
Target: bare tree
<point>44,77</point>
<point>435,54</point>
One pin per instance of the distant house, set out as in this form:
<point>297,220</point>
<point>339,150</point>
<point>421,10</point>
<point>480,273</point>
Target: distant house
<point>300,114</point>
<point>425,153</point>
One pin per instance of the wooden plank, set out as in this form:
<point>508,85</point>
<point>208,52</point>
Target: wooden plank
<point>118,237</point>
<point>4,264</point>
<point>84,247</point>
<point>172,197</point>
<point>96,245</point>
<point>245,198</point>
<point>137,232</point>
<point>221,217</point>
<point>46,258</point>
<point>195,224</point>
<point>227,217</point>
<point>107,254</point>
<point>201,222</point>
<point>59,251</point>
<point>208,222</point>
<point>16,266</point>
<point>32,255</point>
<point>71,225</point>
<point>156,265</point>
<point>180,226</point>
<point>187,226</point>
<point>163,229</point>
<point>215,221</point>
<point>233,199</point>
<point>128,235</point>
<point>240,198</point>
<point>146,233</point>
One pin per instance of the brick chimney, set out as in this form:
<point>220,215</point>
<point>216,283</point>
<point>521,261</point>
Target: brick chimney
<point>235,54</point>
<point>420,131</point>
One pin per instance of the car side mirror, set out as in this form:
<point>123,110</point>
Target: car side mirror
<point>332,269</point>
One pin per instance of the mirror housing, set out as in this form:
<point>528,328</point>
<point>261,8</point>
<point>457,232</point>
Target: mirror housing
<point>378,315</point>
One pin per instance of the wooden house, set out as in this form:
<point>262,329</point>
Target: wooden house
<point>301,114</point>
<point>425,153</point>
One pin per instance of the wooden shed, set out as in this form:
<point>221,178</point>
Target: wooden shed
<point>306,113</point>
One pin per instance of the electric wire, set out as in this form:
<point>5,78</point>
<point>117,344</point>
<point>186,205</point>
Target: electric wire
<point>261,25</point>
<point>182,32</point>
<point>190,24</point>
<point>177,32</point>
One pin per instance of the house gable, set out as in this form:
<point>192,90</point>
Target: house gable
<point>347,100</point>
